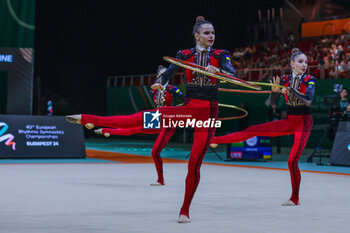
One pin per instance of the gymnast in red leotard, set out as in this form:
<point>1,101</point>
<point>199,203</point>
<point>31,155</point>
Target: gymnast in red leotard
<point>201,104</point>
<point>299,121</point>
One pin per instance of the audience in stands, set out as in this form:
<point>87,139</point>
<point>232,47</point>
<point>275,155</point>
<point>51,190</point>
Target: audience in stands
<point>331,53</point>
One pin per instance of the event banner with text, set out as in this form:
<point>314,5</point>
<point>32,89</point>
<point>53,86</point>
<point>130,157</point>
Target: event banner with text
<point>40,137</point>
<point>325,27</point>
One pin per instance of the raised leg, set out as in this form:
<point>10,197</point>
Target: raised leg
<point>126,131</point>
<point>270,129</point>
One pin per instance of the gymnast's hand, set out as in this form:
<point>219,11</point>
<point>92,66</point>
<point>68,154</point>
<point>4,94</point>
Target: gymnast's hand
<point>276,80</point>
<point>157,86</point>
<point>211,69</point>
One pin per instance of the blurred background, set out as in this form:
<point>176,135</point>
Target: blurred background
<point>100,57</point>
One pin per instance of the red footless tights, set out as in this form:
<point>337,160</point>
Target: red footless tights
<point>299,125</point>
<point>162,140</point>
<point>198,109</point>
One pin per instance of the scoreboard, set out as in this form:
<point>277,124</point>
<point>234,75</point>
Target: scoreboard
<point>252,149</point>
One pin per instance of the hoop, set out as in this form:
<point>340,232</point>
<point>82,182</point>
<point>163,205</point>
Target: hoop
<point>265,84</point>
<point>269,85</point>
<point>244,91</point>
<point>234,107</point>
<point>218,75</point>
<point>226,78</point>
<point>230,106</point>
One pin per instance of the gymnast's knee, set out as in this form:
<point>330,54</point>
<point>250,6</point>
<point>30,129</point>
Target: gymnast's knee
<point>292,162</point>
<point>155,153</point>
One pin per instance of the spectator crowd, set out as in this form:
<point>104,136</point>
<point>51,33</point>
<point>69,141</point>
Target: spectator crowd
<point>329,55</point>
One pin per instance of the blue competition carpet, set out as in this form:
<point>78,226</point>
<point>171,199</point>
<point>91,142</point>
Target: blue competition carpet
<point>180,151</point>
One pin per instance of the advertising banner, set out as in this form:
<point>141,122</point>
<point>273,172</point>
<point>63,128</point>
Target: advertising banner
<point>16,72</point>
<point>324,28</point>
<point>254,148</point>
<point>40,137</point>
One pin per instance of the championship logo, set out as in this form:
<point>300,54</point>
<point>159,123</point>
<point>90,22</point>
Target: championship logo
<point>8,138</point>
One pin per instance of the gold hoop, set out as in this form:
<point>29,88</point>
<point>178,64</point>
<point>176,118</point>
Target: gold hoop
<point>265,84</point>
<point>244,91</point>
<point>229,106</point>
<point>218,76</point>
<point>234,107</point>
<point>269,85</point>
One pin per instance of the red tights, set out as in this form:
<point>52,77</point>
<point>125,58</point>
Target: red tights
<point>198,109</point>
<point>299,125</point>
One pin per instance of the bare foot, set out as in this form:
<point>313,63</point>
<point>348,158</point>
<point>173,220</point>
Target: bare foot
<point>75,119</point>
<point>157,184</point>
<point>99,131</point>
<point>290,203</point>
<point>183,219</point>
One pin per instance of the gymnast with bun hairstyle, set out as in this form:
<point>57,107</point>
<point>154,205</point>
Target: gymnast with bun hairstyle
<point>201,104</point>
<point>298,94</point>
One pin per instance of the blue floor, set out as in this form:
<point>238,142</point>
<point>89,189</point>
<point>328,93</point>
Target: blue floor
<point>302,166</point>
<point>180,151</point>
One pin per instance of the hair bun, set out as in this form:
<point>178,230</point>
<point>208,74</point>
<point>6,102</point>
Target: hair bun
<point>199,18</point>
<point>295,50</point>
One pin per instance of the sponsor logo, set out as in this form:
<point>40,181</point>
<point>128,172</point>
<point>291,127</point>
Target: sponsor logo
<point>155,120</point>
<point>194,123</point>
<point>7,138</point>
<point>252,141</point>
<point>151,120</point>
